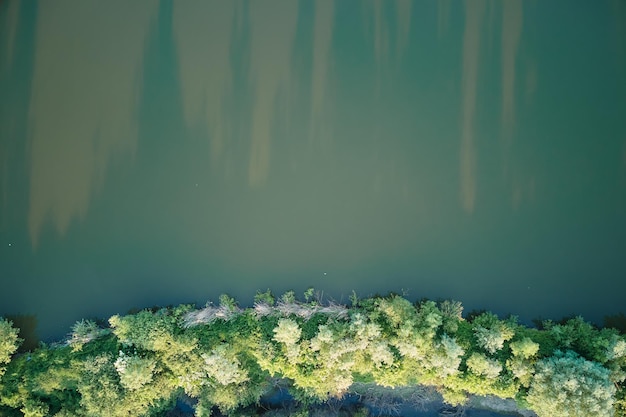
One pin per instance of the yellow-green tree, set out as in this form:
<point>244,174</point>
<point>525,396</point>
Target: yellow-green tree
<point>9,343</point>
<point>567,385</point>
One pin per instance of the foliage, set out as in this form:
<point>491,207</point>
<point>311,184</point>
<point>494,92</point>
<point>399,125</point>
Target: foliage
<point>227,357</point>
<point>287,332</point>
<point>228,302</point>
<point>583,337</point>
<point>34,408</point>
<point>524,348</point>
<point>145,330</point>
<point>134,371</point>
<point>308,294</point>
<point>99,386</point>
<point>568,385</point>
<point>84,331</point>
<point>264,298</point>
<point>521,369</point>
<point>288,298</point>
<point>9,343</point>
<point>482,366</point>
<point>104,394</point>
<point>490,332</point>
<point>429,318</point>
<point>446,357</point>
<point>396,310</point>
<point>223,367</point>
<point>451,314</point>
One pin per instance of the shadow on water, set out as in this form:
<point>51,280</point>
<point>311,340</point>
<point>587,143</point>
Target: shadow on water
<point>27,325</point>
<point>616,321</point>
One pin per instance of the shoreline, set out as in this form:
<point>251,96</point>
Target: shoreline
<point>407,401</point>
<point>382,355</point>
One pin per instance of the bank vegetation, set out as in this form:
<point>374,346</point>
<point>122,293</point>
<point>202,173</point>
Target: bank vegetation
<point>222,358</point>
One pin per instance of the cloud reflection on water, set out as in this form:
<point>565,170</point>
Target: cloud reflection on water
<point>83,105</point>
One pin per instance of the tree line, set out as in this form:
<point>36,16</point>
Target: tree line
<point>225,358</point>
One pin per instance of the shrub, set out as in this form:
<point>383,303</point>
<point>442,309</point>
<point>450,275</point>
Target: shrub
<point>84,331</point>
<point>264,298</point>
<point>228,302</point>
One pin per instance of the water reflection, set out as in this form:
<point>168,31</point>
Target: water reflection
<point>27,325</point>
<point>205,33</point>
<point>83,105</point>
<point>442,147</point>
<point>321,100</point>
<point>471,53</point>
<point>512,19</point>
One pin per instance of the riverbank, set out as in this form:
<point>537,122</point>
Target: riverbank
<point>381,355</point>
<point>372,400</point>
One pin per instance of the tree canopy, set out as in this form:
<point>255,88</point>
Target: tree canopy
<point>225,357</point>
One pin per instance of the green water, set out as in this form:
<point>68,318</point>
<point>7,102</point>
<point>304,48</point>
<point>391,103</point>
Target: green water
<point>155,153</point>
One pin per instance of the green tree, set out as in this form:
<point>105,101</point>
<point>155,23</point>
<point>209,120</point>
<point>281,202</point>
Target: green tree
<point>35,408</point>
<point>9,343</point>
<point>265,298</point>
<point>491,333</point>
<point>397,310</point>
<point>134,372</point>
<point>452,314</point>
<point>567,385</point>
<point>287,332</point>
<point>224,367</point>
<point>446,357</point>
<point>145,330</point>
<point>480,365</point>
<point>521,364</point>
<point>524,348</point>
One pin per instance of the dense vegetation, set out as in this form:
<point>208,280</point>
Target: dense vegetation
<point>226,358</point>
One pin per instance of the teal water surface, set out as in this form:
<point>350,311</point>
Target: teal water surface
<point>159,152</point>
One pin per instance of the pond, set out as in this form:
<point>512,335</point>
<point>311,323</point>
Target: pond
<point>159,152</point>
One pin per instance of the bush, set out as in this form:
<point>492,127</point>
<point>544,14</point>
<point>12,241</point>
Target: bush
<point>84,331</point>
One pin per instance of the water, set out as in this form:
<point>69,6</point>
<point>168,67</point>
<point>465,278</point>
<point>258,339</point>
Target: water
<point>159,153</point>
